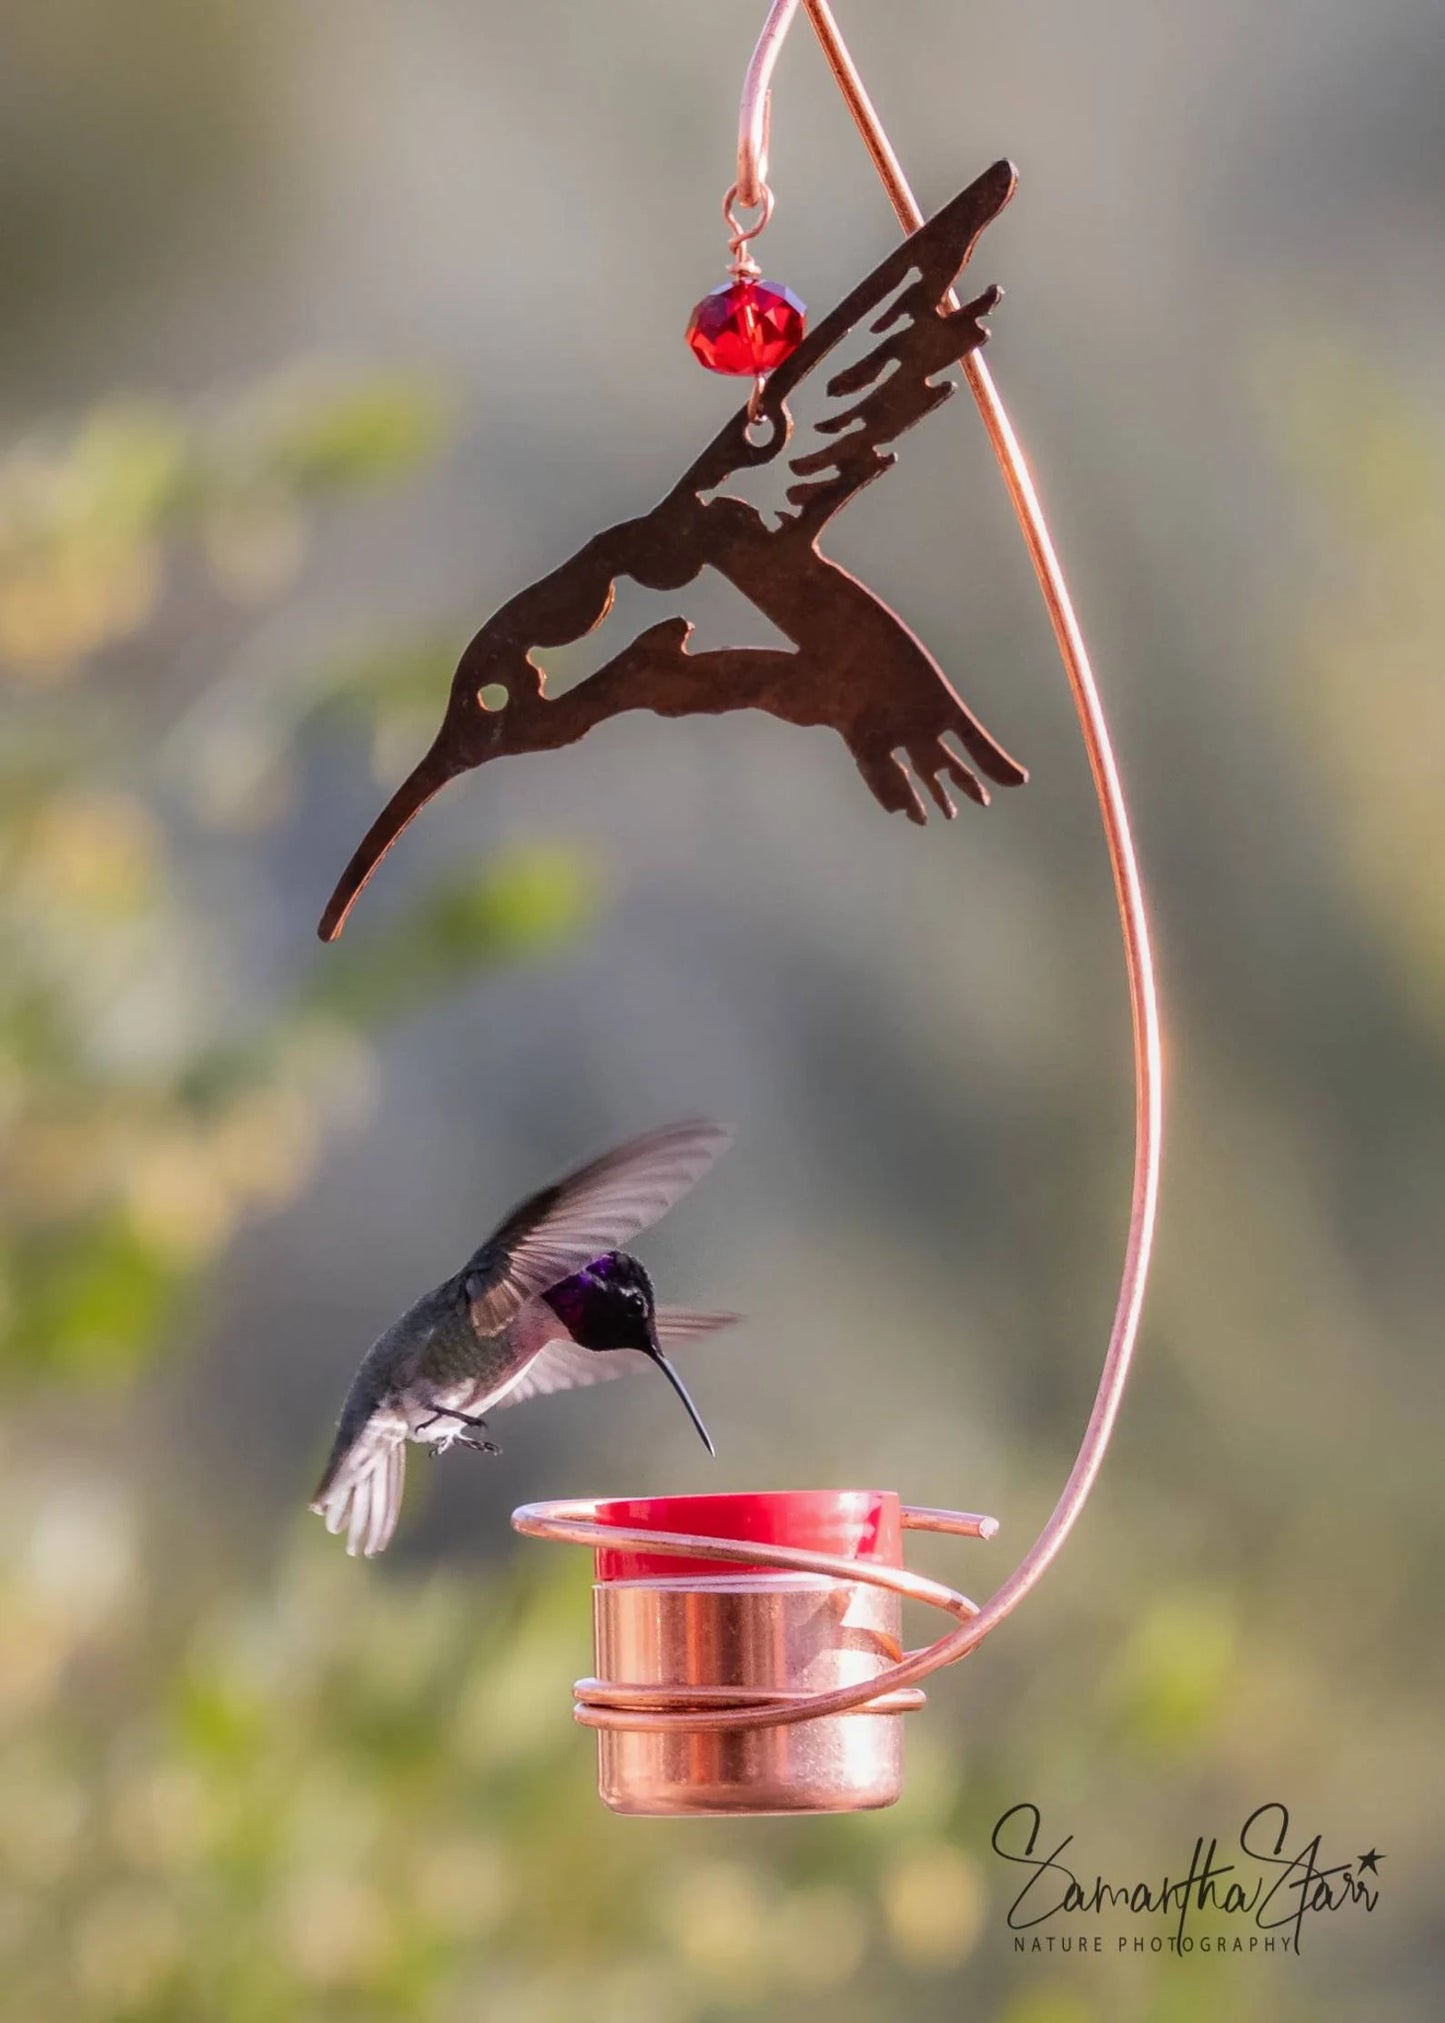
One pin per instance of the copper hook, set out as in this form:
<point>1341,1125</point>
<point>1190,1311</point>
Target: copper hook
<point>755,113</point>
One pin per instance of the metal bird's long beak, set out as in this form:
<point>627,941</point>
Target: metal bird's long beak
<point>681,1389</point>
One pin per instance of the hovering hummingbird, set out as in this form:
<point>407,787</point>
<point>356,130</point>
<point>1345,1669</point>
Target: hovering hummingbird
<point>550,1301</point>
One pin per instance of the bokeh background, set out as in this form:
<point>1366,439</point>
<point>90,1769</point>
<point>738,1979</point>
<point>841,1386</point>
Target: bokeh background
<point>324,329</point>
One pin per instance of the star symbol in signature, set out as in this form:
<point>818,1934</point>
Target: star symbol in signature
<point>1368,1861</point>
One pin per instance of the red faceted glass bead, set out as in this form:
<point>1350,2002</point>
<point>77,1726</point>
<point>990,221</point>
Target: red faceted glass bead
<point>746,327</point>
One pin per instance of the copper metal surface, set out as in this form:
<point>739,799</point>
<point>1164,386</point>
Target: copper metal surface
<point>700,1680</point>
<point>756,109</point>
<point>695,1644</point>
<point>856,667</point>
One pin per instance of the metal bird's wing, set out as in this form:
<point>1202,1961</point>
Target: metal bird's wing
<point>565,1366</point>
<point>599,1208</point>
<point>896,384</point>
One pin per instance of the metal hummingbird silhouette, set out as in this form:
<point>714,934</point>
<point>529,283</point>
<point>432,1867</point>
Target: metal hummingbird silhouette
<point>856,666</point>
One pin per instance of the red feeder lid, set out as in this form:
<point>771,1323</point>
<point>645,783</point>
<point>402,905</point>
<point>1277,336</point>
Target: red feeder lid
<point>853,1523</point>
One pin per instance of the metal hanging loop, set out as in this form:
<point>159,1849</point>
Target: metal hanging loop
<point>740,236</point>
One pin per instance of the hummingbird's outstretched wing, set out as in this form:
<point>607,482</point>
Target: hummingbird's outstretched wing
<point>566,1366</point>
<point>601,1207</point>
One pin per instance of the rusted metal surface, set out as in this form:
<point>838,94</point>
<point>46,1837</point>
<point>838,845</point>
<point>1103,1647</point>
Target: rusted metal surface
<point>856,666</point>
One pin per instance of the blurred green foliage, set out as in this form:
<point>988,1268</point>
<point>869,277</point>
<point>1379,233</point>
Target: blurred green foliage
<point>331,1799</point>
<point>85,522</point>
<point>140,1126</point>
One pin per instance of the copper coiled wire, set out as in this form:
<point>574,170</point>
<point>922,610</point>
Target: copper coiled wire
<point>608,1704</point>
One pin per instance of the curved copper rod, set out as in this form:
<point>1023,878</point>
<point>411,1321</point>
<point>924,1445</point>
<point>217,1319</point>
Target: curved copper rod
<point>1138,959</point>
<point>755,112</point>
<point>571,1521</point>
<point>616,1707</point>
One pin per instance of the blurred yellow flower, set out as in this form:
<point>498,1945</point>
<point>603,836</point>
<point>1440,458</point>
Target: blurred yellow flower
<point>255,542</point>
<point>335,1929</point>
<point>42,1820</point>
<point>55,1166</point>
<point>158,1816</point>
<point>177,1197</point>
<point>723,1922</point>
<point>32,1652</point>
<point>92,852</point>
<point>461,1883</point>
<point>335,1066</point>
<point>125,1946</point>
<point>77,1551</point>
<point>64,601</point>
<point>820,1936</point>
<point>332,1825</point>
<point>264,1146</point>
<point>933,1901</point>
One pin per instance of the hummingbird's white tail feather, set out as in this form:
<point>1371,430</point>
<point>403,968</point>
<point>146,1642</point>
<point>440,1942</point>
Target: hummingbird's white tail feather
<point>360,1493</point>
<point>386,1503</point>
<point>359,1520</point>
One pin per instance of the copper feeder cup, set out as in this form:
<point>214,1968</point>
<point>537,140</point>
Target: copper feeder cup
<point>708,1674</point>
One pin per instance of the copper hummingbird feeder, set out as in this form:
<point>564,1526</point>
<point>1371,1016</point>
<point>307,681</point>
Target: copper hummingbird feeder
<point>756,1634</point>
<point>748,1648</point>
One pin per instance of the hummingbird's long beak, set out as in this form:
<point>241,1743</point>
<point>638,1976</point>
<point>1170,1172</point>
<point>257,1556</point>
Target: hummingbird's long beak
<point>681,1389</point>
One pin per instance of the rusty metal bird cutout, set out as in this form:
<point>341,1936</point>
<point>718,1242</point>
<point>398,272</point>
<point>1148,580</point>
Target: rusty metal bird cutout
<point>855,665</point>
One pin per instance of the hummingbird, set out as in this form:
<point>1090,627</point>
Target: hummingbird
<point>550,1301</point>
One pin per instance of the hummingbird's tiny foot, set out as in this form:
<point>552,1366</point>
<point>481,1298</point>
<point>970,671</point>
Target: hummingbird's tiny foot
<point>453,1436</point>
<point>462,1418</point>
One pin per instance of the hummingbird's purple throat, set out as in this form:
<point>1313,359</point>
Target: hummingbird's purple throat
<point>608,1305</point>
